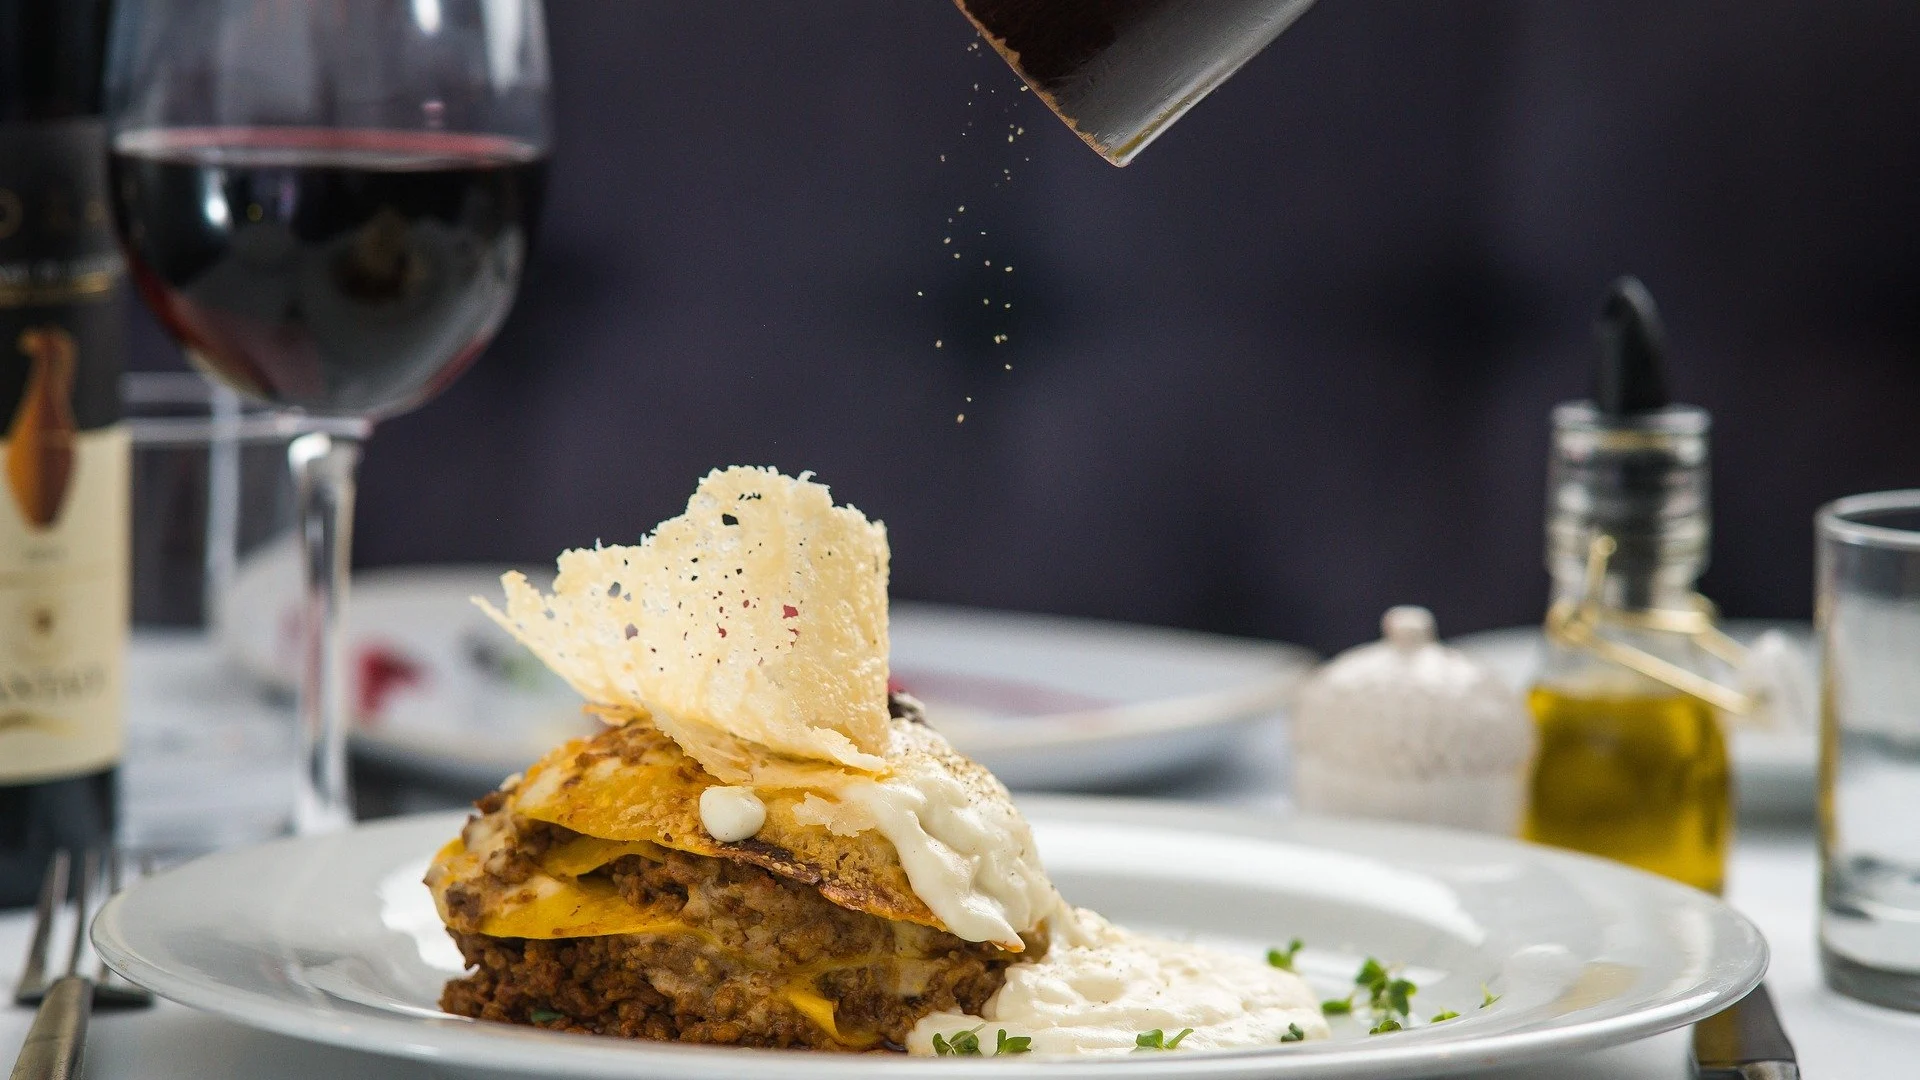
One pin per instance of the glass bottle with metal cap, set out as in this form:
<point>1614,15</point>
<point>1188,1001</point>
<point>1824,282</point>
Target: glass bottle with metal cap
<point>1632,762</point>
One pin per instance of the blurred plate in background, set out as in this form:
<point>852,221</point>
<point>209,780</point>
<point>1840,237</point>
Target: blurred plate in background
<point>1043,701</point>
<point>1773,770</point>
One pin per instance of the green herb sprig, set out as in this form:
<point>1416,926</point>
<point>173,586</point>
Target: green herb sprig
<point>1158,1040</point>
<point>1385,992</point>
<point>1443,1017</point>
<point>967,1043</point>
<point>959,1044</point>
<point>1283,958</point>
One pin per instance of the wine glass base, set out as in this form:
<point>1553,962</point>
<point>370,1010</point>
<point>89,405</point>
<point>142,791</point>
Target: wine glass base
<point>312,819</point>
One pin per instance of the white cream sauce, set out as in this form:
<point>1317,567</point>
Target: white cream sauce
<point>731,814</point>
<point>1101,986</point>
<point>971,859</point>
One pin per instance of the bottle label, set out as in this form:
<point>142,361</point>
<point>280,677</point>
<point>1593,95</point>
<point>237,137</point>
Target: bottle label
<point>64,456</point>
<point>63,614</point>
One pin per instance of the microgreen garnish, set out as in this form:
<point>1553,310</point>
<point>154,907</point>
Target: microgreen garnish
<point>1399,995</point>
<point>1283,958</point>
<point>959,1044</point>
<point>1370,973</point>
<point>1385,993</point>
<point>546,1016</point>
<point>1384,1026</point>
<point>1441,1017</point>
<point>1158,1040</point>
<point>1487,997</point>
<point>1337,1006</point>
<point>1294,1034</point>
<point>967,1043</point>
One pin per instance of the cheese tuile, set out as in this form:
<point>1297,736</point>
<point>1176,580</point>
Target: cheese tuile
<point>751,628</point>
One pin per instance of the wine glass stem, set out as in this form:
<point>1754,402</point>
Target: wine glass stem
<point>323,465</point>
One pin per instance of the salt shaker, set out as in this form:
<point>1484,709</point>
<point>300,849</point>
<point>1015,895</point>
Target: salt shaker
<point>1407,728</point>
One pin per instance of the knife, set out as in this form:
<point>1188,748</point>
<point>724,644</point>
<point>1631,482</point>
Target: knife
<point>1744,1042</point>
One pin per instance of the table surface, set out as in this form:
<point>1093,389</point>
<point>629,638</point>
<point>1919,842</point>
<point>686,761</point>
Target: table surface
<point>1772,880</point>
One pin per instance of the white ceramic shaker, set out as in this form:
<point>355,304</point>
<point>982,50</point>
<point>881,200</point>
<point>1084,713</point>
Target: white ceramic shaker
<point>1409,729</point>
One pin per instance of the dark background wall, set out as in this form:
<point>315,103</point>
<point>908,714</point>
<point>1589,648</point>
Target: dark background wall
<point>1292,366</point>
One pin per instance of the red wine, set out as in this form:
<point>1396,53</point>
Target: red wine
<point>63,451</point>
<point>344,272</point>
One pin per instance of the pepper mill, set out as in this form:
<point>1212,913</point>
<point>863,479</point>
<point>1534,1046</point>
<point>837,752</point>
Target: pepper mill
<point>1119,72</point>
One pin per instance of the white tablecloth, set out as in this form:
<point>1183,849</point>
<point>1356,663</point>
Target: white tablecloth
<point>1772,880</point>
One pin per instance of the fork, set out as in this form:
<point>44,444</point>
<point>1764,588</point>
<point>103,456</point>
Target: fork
<point>110,990</point>
<point>56,1042</point>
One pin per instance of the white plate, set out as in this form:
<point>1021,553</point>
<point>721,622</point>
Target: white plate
<point>333,939</point>
<point>1044,702</point>
<point>1773,770</point>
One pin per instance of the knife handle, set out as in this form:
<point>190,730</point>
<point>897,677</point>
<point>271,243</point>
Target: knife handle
<point>1754,1070</point>
<point>1744,1042</point>
<point>58,1039</point>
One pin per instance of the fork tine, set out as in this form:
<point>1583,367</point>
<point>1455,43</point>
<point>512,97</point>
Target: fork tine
<point>86,901</point>
<point>53,890</point>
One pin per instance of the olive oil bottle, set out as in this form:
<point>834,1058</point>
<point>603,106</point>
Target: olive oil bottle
<point>1632,761</point>
<point>1635,772</point>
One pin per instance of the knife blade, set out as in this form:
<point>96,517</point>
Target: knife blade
<point>1744,1042</point>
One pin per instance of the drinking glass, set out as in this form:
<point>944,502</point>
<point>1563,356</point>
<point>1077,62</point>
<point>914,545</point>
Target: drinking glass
<point>328,204</point>
<point>1868,615</point>
<point>210,758</point>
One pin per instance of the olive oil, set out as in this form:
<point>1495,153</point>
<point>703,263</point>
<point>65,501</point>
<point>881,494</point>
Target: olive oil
<point>1632,762</point>
<point>1637,774</point>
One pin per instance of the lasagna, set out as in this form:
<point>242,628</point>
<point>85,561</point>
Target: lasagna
<point>764,847</point>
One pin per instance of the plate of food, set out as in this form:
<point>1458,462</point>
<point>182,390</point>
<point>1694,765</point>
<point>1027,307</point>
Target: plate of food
<point>1047,702</point>
<point>1773,762</point>
<point>765,863</point>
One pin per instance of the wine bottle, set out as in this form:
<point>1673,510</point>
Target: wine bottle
<point>64,454</point>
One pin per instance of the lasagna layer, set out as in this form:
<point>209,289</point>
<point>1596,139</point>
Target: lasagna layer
<point>668,944</point>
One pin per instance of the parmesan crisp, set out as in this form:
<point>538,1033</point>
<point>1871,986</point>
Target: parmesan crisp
<point>753,625</point>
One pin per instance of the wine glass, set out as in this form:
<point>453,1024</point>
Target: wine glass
<point>328,203</point>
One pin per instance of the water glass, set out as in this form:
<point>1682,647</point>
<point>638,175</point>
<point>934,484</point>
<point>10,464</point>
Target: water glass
<point>211,758</point>
<point>1868,617</point>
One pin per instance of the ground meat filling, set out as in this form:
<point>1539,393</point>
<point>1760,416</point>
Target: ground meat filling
<point>765,962</point>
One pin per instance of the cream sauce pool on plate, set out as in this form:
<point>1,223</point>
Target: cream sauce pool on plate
<point>1100,986</point>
